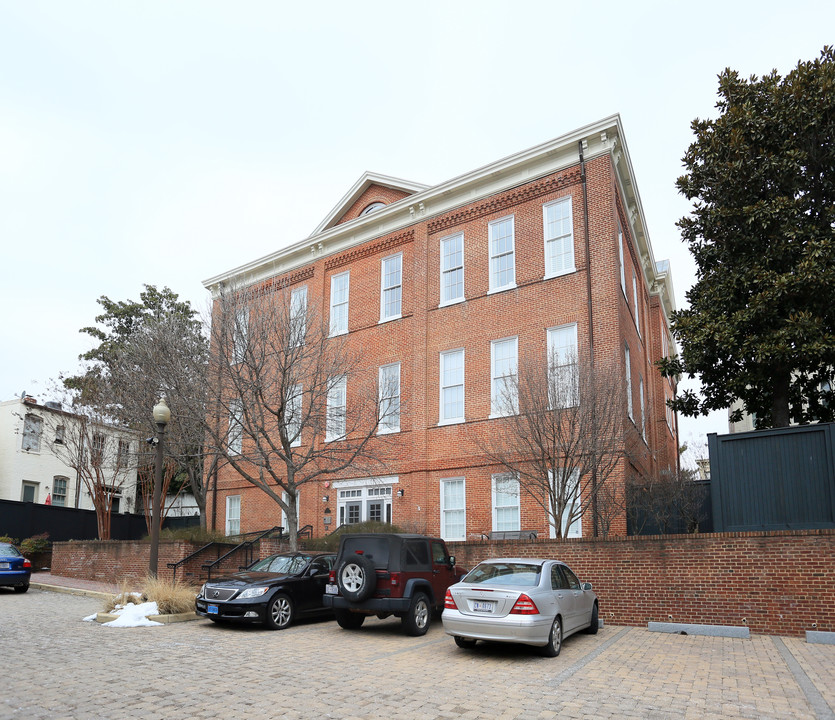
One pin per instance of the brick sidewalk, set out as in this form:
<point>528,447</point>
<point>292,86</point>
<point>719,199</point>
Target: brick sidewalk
<point>48,581</point>
<point>317,670</point>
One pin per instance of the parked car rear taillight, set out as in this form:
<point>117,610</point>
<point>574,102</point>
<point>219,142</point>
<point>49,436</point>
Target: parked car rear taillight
<point>395,579</point>
<point>524,606</point>
<point>449,602</point>
<point>26,563</point>
<point>332,577</point>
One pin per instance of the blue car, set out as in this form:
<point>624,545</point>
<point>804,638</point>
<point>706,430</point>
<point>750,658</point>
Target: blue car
<point>15,570</point>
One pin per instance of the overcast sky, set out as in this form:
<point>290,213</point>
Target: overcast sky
<point>165,142</point>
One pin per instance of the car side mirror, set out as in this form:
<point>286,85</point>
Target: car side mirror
<point>452,560</point>
<point>586,586</point>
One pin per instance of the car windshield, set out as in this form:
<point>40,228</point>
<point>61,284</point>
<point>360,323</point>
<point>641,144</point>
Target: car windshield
<point>7,550</point>
<point>283,564</point>
<point>516,574</point>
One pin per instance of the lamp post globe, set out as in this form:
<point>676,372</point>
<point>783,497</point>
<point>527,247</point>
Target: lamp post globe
<point>162,416</point>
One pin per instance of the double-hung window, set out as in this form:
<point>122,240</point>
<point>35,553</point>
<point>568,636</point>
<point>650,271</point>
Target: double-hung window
<point>391,295</point>
<point>235,435</point>
<point>389,395</point>
<point>340,286</point>
<point>452,387</point>
<point>453,509</point>
<point>337,407</point>
<point>452,269</point>
<point>628,383</point>
<point>566,485</point>
<point>635,297</point>
<point>59,490</point>
<point>233,514</point>
<point>293,416</point>
<point>298,316</point>
<point>123,454</point>
<point>559,237</point>
<point>563,368</point>
<point>502,254</point>
<point>643,414</point>
<point>620,259</point>
<point>32,429</point>
<point>506,515</point>
<point>503,389</point>
<point>239,334</point>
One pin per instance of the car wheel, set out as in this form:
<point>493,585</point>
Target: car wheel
<point>466,643</point>
<point>356,578</point>
<point>594,625</point>
<point>21,588</point>
<point>419,616</point>
<point>279,612</point>
<point>552,649</point>
<point>348,620</point>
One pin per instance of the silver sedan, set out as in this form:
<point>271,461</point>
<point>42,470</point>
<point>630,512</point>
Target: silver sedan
<point>520,600</point>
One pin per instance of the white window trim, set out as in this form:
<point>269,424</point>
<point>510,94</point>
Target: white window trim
<point>494,479</point>
<point>240,335</point>
<point>347,304</point>
<point>364,485</point>
<point>549,345</point>
<point>342,381</point>
<point>628,362</point>
<point>445,303</point>
<point>492,289</point>
<point>643,426</point>
<point>620,254</point>
<point>227,523</point>
<point>444,509</point>
<point>635,297</point>
<point>236,428</point>
<point>441,419</point>
<point>302,293</point>
<point>494,410</point>
<point>546,239</point>
<point>383,317</point>
<point>388,430</point>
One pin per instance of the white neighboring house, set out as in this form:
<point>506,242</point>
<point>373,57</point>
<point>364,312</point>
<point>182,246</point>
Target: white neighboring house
<point>32,469</point>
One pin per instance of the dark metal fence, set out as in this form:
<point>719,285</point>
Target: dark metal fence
<point>24,519</point>
<point>779,479</point>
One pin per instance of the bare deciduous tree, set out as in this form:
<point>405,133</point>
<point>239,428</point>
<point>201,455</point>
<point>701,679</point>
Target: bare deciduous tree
<point>289,403</point>
<point>666,502</point>
<point>98,451</point>
<point>563,436</point>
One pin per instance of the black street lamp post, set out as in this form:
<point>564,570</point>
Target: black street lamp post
<point>161,417</point>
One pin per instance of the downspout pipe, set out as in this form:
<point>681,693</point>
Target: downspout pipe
<point>594,508</point>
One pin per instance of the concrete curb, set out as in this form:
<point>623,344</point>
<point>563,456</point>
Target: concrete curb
<point>163,619</point>
<point>731,631</point>
<point>819,637</point>
<point>72,591</point>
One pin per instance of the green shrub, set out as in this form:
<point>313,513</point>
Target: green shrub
<point>194,534</point>
<point>331,542</point>
<point>9,540</point>
<point>36,544</point>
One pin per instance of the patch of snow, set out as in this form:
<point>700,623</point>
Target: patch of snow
<point>132,615</point>
<point>91,618</point>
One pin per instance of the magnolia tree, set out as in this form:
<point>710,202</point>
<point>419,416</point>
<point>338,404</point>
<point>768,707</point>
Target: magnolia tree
<point>289,404</point>
<point>563,437</point>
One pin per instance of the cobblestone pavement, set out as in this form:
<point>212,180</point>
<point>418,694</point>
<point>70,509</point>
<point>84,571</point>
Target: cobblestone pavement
<point>57,666</point>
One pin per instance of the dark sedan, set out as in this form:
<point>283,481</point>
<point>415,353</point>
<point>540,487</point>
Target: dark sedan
<point>273,591</point>
<point>15,570</point>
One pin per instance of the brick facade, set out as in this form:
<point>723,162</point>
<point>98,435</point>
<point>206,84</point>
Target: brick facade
<point>426,451</point>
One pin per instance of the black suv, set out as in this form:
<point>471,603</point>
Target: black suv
<point>390,574</point>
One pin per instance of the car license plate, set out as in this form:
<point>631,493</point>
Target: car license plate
<point>5,566</point>
<point>331,589</point>
<point>481,606</point>
<point>212,609</point>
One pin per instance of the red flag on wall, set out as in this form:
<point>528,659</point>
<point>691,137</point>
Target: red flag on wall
<point>48,500</point>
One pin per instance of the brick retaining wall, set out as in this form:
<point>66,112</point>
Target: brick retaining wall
<point>777,583</point>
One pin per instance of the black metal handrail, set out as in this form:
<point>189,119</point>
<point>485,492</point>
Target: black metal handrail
<point>247,546</point>
<point>306,532</point>
<point>176,565</point>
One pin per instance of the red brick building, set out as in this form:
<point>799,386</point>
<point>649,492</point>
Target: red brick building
<point>443,286</point>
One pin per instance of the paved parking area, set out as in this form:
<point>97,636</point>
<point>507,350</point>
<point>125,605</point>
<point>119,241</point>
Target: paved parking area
<point>57,666</point>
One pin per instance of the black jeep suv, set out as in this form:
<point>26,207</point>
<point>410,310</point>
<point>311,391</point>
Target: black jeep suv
<point>390,574</point>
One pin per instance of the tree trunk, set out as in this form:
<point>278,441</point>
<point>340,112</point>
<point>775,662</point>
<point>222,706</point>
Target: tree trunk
<point>292,521</point>
<point>780,400</point>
